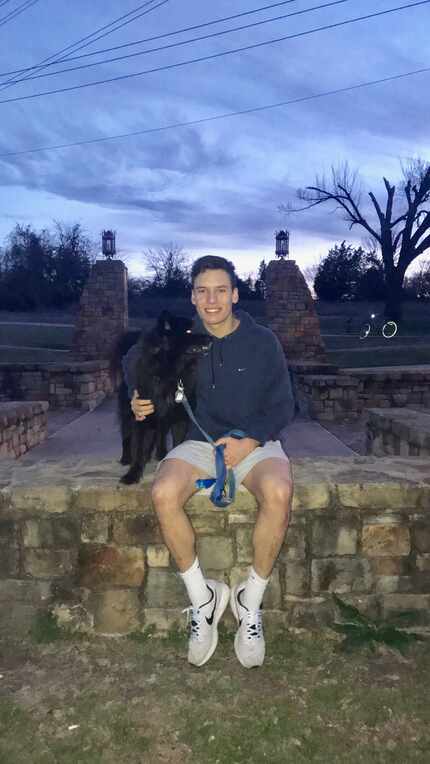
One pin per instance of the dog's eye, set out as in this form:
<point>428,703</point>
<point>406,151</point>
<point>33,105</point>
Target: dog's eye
<point>188,331</point>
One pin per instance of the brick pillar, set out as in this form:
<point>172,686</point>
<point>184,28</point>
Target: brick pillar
<point>291,312</point>
<point>103,314</point>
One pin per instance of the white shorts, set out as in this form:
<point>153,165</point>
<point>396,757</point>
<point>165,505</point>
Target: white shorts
<point>201,454</point>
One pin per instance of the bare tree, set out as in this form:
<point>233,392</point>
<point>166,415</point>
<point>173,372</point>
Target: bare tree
<point>401,227</point>
<point>170,266</point>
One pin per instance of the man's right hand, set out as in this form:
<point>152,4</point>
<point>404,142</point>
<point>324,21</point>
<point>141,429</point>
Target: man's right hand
<point>140,407</point>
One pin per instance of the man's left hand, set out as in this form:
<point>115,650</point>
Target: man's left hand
<point>236,449</point>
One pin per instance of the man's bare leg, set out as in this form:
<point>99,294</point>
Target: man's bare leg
<point>173,485</point>
<point>270,482</point>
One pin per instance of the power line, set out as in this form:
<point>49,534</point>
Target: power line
<point>17,11</point>
<point>214,55</point>
<point>4,2</point>
<point>188,42</point>
<point>87,39</point>
<point>217,117</point>
<point>153,38</point>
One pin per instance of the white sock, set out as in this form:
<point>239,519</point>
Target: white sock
<point>254,590</point>
<point>195,584</point>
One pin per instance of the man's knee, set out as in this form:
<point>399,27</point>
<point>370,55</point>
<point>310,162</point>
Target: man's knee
<point>277,492</point>
<point>172,486</point>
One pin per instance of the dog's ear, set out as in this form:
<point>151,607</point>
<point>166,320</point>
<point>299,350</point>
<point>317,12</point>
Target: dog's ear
<point>164,323</point>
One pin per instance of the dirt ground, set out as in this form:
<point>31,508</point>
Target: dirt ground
<point>99,701</point>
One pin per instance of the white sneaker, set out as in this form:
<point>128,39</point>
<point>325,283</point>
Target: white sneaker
<point>204,623</point>
<point>249,644</point>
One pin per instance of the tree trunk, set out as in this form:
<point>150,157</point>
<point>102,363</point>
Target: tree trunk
<point>394,296</point>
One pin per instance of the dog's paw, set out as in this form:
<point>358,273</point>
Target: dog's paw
<point>132,476</point>
<point>125,460</point>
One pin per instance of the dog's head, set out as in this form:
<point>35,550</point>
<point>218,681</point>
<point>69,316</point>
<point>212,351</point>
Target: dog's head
<point>176,337</point>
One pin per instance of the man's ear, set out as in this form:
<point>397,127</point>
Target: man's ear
<point>193,300</point>
<point>235,296</point>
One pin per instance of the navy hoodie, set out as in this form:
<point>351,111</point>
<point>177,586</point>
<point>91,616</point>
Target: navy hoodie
<point>242,383</point>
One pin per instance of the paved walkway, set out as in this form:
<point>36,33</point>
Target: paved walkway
<point>95,434</point>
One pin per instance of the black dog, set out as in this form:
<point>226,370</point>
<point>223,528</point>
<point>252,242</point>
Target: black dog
<point>167,353</point>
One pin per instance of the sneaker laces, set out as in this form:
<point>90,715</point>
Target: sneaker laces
<point>193,621</point>
<point>254,624</point>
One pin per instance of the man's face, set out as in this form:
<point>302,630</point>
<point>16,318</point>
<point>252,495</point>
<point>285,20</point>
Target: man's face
<point>213,297</point>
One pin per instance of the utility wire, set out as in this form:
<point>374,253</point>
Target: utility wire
<point>4,2</point>
<point>150,39</point>
<point>187,42</point>
<point>214,55</point>
<point>87,40</point>
<point>17,11</point>
<point>216,117</point>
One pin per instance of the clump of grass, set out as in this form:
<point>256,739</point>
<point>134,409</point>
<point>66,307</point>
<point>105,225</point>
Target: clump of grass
<point>361,631</point>
<point>45,629</point>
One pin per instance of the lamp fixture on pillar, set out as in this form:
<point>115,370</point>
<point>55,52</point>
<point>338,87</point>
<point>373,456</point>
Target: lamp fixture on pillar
<point>108,244</point>
<point>282,239</point>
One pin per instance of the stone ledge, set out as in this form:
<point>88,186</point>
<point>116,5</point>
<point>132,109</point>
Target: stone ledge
<point>72,537</point>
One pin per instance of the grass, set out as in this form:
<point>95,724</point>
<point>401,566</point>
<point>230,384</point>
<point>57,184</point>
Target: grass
<point>137,700</point>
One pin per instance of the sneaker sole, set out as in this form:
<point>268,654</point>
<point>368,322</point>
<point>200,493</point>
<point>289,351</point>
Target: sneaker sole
<point>234,609</point>
<point>219,612</point>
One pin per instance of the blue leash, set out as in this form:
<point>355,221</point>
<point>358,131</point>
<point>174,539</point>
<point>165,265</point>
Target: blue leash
<point>224,485</point>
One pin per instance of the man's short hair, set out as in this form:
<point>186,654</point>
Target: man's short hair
<point>212,263</point>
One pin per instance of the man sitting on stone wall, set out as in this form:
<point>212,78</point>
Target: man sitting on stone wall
<point>242,383</point>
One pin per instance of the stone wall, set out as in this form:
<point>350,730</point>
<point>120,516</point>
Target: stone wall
<point>81,385</point>
<point>73,540</point>
<point>347,394</point>
<point>22,426</point>
<point>398,431</point>
<point>103,312</point>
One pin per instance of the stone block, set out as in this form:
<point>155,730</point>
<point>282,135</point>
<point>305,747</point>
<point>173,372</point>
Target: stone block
<point>340,574</point>
<point>294,546</point>
<point>59,532</point>
<point>334,536</point>
<point>241,518</point>
<point>50,499</point>
<point>383,495</point>
<point>390,566</point>
<point>115,611</point>
<point>390,584</point>
<point>297,578</point>
<point>208,523</point>
<point>385,541</point>
<point>421,536</point>
<point>406,609</point>
<point>7,532</point>
<point>49,563</point>
<point>9,562</point>
<point>215,552</point>
<point>163,589</point>
<point>244,547</point>
<point>157,556</point>
<point>423,562</point>
<point>136,529</point>
<point>24,590</point>
<point>95,529</point>
<point>106,498</point>
<point>311,496</point>
<point>104,565</point>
